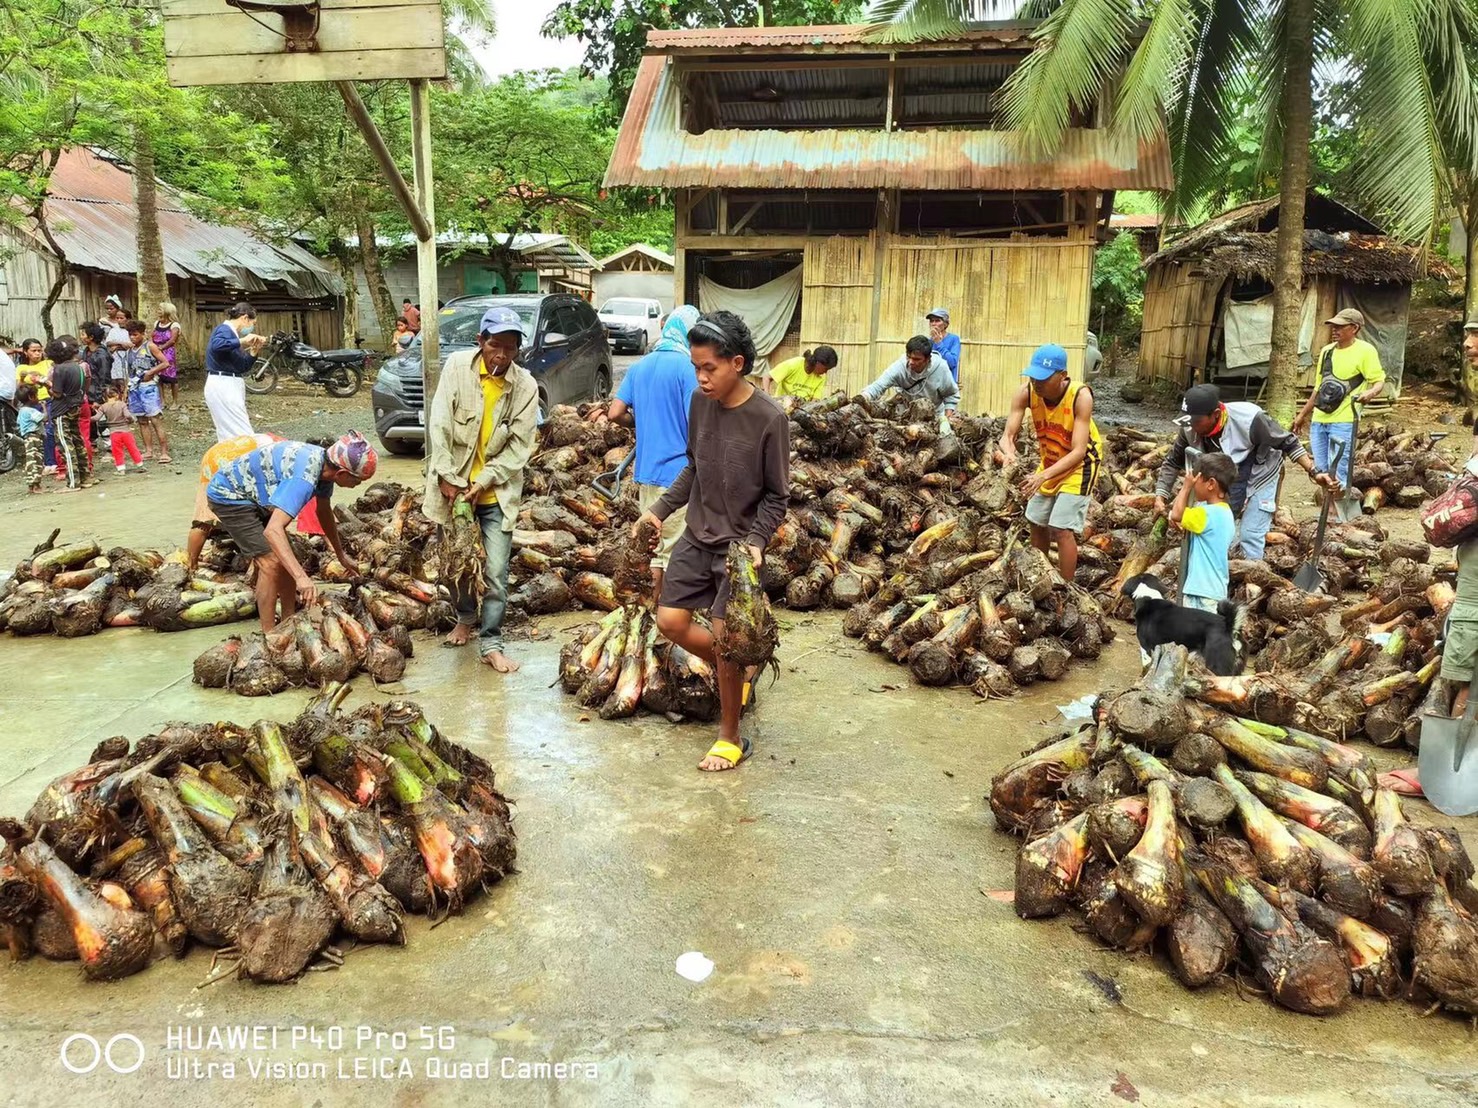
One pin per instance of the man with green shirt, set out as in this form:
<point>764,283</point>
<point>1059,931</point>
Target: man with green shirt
<point>1349,374</point>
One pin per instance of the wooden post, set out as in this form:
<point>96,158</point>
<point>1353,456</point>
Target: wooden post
<point>376,142</point>
<point>426,245</point>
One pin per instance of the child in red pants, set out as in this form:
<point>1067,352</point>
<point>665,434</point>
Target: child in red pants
<point>120,431</point>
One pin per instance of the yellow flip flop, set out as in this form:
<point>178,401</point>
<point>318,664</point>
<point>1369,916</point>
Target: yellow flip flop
<point>729,752</point>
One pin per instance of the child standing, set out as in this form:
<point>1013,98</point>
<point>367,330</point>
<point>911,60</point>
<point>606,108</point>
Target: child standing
<point>146,363</point>
<point>1209,528</point>
<point>28,424</point>
<point>120,432</point>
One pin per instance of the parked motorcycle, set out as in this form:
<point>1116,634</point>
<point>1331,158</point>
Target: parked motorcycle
<point>12,450</point>
<point>340,372</point>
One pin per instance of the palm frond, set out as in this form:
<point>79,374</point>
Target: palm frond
<point>1453,66</point>
<point>1157,68</point>
<point>1401,163</point>
<point>916,20</point>
<point>1201,119</point>
<point>1080,48</point>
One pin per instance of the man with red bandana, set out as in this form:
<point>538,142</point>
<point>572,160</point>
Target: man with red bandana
<point>1256,445</point>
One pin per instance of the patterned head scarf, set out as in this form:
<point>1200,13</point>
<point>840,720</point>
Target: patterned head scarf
<point>675,331</point>
<point>353,454</point>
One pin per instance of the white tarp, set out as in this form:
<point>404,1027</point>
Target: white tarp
<point>1248,333</point>
<point>768,309</point>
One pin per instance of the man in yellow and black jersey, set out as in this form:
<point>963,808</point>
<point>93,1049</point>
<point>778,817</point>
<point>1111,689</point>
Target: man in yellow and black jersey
<point>1071,453</point>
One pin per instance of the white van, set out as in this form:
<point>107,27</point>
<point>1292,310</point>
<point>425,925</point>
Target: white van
<point>632,323</point>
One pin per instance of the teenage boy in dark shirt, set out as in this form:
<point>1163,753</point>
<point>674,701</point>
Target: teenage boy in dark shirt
<point>736,486</point>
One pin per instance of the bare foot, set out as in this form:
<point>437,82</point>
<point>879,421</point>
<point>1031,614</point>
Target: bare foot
<point>500,662</point>
<point>459,635</point>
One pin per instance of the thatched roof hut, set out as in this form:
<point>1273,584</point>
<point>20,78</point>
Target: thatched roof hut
<point>1208,292</point>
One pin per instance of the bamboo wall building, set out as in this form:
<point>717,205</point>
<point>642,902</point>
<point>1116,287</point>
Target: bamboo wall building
<point>1208,294</point>
<point>877,179</point>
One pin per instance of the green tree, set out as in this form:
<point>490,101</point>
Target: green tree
<point>614,32</point>
<point>1184,65</point>
<point>1117,308</point>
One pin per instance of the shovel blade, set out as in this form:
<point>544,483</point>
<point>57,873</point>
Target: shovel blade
<point>1347,509</point>
<point>1448,766</point>
<point>1308,579</point>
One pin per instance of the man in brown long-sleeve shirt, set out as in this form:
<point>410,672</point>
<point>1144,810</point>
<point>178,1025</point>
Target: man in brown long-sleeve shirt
<point>736,486</point>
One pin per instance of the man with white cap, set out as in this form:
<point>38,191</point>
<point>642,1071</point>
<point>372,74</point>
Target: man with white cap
<point>479,436</point>
<point>1070,453</point>
<point>1257,446</point>
<point>946,343</point>
<point>1350,374</point>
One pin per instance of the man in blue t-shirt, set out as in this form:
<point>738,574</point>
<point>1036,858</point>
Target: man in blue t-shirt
<point>255,497</point>
<point>1209,527</point>
<point>655,394</point>
<point>946,343</point>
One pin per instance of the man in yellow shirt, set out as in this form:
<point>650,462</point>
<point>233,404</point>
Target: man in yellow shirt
<point>803,377</point>
<point>479,436</point>
<point>1350,374</point>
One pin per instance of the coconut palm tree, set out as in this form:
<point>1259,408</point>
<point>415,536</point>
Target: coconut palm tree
<point>1179,67</point>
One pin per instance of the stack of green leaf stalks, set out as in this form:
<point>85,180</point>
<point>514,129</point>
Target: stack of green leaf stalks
<point>1233,845</point>
<point>273,844</point>
<point>76,589</point>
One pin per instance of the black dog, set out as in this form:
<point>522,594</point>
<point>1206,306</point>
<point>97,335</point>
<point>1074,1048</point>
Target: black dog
<point>1217,638</point>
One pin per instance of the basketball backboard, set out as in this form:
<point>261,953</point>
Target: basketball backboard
<point>213,42</point>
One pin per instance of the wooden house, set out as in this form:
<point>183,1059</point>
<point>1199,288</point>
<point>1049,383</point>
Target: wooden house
<point>210,266</point>
<point>1208,298</point>
<point>837,188</point>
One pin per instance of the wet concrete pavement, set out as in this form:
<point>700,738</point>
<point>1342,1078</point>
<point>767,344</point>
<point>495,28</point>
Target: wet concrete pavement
<point>839,881</point>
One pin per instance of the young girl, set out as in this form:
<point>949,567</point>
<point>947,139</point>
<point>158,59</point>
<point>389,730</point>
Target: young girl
<point>28,423</point>
<point>120,430</point>
<point>146,364</point>
<point>34,368</point>
<point>166,337</point>
<point>736,487</point>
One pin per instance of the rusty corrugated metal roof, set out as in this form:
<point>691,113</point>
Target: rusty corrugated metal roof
<point>653,151</point>
<point>1002,35</point>
<point>91,213</point>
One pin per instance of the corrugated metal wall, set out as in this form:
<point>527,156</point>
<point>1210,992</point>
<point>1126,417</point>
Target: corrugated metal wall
<point>1005,299</point>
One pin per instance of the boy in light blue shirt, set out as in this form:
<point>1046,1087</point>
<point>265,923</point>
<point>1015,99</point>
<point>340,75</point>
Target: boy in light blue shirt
<point>29,424</point>
<point>1210,529</point>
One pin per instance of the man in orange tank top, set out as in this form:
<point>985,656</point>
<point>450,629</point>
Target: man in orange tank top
<point>1071,451</point>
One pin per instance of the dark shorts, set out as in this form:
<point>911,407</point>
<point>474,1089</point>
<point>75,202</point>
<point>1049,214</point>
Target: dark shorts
<point>246,524</point>
<point>696,578</point>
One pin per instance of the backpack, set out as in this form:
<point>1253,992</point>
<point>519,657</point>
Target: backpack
<point>1451,518</point>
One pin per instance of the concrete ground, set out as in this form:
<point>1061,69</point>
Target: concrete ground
<point>844,882</point>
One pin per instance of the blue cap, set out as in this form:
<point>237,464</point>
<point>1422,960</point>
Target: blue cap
<point>1047,359</point>
<point>498,320</point>
<point>939,313</point>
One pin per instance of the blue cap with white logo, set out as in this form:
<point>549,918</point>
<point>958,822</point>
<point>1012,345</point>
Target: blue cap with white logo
<point>499,320</point>
<point>1047,359</point>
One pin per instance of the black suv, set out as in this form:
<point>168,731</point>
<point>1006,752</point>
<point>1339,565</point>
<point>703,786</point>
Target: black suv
<point>565,348</point>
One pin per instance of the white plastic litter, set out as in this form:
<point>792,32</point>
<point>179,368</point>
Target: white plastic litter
<point>1082,708</point>
<point>694,966</point>
<point>1380,638</point>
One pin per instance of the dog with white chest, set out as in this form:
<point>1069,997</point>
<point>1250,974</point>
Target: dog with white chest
<point>1216,637</point>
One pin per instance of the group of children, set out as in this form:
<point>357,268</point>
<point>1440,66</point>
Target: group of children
<point>60,395</point>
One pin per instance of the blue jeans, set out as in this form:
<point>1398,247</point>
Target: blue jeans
<point>1256,522</point>
<point>1322,437</point>
<point>498,544</point>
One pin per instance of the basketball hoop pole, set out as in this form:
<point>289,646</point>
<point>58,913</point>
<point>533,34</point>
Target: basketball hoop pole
<point>426,247</point>
<point>420,209</point>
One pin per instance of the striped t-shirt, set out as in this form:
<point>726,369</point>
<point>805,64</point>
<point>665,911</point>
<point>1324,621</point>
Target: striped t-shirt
<point>284,475</point>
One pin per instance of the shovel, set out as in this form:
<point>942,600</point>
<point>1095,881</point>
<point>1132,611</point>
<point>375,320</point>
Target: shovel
<point>1308,577</point>
<point>1447,762</point>
<point>1349,506</point>
<point>608,484</point>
